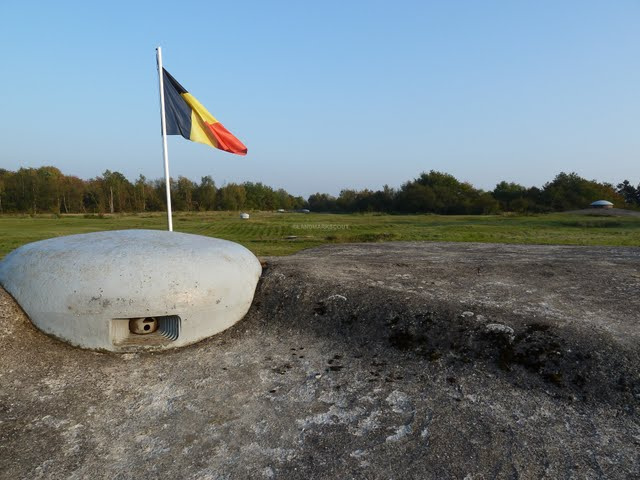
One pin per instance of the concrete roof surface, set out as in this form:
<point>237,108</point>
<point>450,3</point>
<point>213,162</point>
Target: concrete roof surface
<point>376,361</point>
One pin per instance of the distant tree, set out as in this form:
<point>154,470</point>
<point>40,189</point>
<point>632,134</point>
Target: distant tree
<point>205,194</point>
<point>117,191</point>
<point>346,201</point>
<point>140,190</point>
<point>22,187</point>
<point>483,204</point>
<point>442,193</point>
<point>507,193</point>
<point>182,197</point>
<point>415,197</point>
<point>383,200</point>
<point>259,196</point>
<point>322,202</point>
<point>157,197</point>
<point>299,202</point>
<point>4,175</point>
<point>72,193</point>
<point>364,201</point>
<point>49,188</point>
<point>629,193</point>
<point>284,200</point>
<point>231,197</point>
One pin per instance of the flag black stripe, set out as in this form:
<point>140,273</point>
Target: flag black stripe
<point>177,111</point>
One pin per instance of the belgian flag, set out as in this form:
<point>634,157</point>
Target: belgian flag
<point>187,117</point>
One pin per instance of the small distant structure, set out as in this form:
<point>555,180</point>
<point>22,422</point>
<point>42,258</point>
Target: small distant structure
<point>244,216</point>
<point>601,204</point>
<point>281,210</point>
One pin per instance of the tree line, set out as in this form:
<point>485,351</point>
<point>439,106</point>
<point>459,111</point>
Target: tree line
<point>442,193</point>
<point>48,190</point>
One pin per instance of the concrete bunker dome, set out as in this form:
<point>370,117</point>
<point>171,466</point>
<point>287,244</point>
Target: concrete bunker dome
<point>132,289</point>
<point>601,204</point>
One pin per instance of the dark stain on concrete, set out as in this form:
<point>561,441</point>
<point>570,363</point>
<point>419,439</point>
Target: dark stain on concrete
<point>377,361</point>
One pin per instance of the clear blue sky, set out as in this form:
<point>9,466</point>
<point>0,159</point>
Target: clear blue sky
<point>328,95</point>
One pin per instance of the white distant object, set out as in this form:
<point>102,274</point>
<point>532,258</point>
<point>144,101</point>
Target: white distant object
<point>132,289</point>
<point>244,216</point>
<point>304,210</point>
<point>601,204</point>
<point>281,210</point>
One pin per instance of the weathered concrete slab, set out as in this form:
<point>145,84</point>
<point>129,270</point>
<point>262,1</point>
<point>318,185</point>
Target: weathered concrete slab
<point>374,361</point>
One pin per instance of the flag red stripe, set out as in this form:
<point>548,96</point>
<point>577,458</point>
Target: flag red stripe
<point>226,140</point>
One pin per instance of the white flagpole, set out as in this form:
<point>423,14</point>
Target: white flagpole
<point>164,138</point>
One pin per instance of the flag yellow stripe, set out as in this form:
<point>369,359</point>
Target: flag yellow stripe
<point>199,115</point>
<point>200,133</point>
<point>197,107</point>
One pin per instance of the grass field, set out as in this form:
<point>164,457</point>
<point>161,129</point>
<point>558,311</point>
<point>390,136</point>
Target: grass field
<point>267,233</point>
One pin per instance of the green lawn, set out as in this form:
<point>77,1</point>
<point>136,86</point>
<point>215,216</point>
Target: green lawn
<point>266,233</point>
